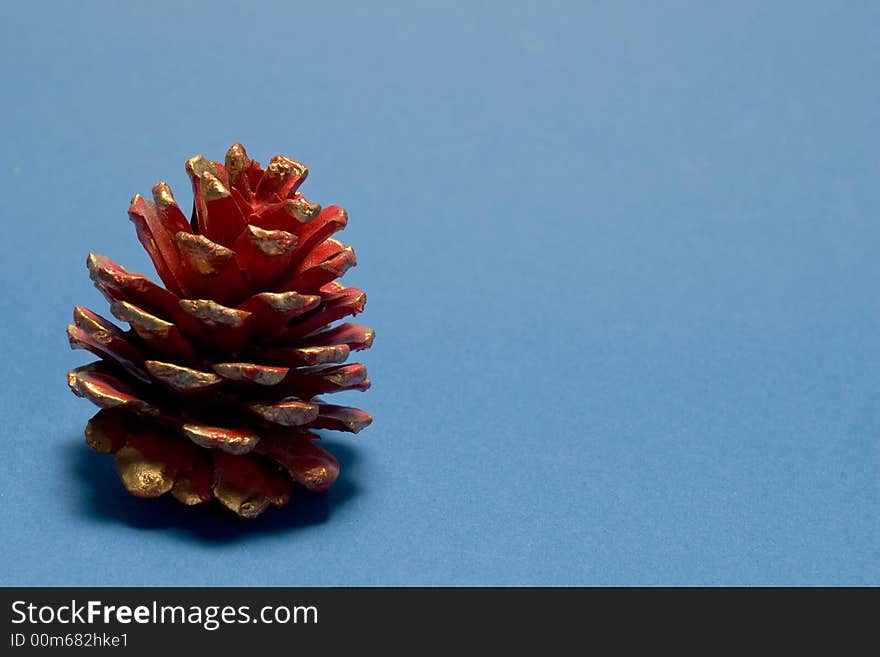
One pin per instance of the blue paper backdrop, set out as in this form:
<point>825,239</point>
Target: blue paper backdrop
<point>622,260</point>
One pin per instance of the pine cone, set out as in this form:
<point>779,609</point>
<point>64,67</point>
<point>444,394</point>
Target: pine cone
<point>213,389</point>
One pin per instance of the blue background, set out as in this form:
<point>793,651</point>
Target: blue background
<point>622,260</point>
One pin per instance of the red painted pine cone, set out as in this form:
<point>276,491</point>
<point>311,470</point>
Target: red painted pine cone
<point>212,391</point>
